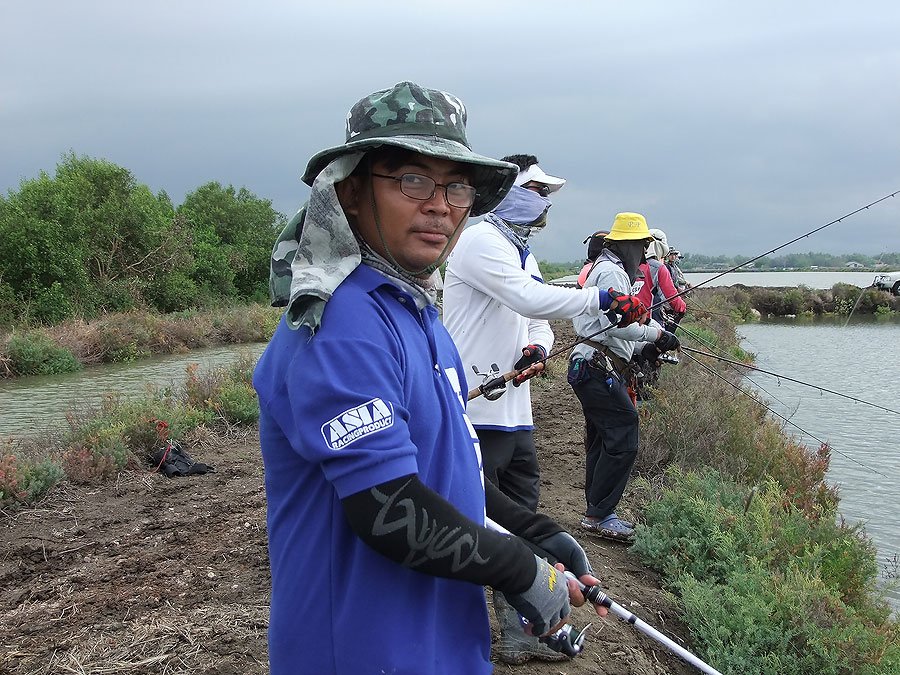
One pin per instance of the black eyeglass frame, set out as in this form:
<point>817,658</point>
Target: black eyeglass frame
<point>469,189</point>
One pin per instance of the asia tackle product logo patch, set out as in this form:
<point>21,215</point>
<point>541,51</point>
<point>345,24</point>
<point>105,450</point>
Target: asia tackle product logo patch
<point>357,422</point>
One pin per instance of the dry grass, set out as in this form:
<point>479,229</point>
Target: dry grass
<point>171,641</point>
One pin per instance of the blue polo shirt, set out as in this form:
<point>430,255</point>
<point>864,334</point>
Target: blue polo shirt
<point>376,394</point>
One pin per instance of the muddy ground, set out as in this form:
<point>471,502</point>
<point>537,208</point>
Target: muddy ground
<point>157,575</point>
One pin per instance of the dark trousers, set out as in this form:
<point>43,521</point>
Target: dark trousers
<point>510,462</point>
<point>611,440</point>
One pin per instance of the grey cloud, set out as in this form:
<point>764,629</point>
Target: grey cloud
<point>734,127</point>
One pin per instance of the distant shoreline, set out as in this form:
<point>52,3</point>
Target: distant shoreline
<point>789,270</point>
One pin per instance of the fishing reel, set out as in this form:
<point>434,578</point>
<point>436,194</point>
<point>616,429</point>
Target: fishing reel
<point>566,640</point>
<point>492,384</point>
<point>666,357</point>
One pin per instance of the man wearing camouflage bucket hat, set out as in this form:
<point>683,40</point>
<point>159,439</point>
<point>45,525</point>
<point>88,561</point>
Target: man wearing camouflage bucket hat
<point>376,507</point>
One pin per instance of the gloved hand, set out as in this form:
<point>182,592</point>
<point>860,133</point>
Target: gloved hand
<point>666,342</point>
<point>531,354</point>
<point>625,309</point>
<point>546,602</point>
<point>650,353</point>
<point>564,548</point>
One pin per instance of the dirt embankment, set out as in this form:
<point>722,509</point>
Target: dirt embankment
<point>156,575</point>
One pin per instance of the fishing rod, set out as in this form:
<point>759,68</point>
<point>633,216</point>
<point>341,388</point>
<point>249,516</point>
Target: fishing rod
<point>789,379</point>
<point>598,597</point>
<point>792,241</point>
<point>709,345</point>
<point>569,640</point>
<point>780,416</point>
<point>499,381</point>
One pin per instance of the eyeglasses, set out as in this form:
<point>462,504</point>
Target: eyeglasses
<point>417,186</point>
<point>542,190</point>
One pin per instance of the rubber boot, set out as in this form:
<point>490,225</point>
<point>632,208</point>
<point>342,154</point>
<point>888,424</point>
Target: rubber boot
<point>515,646</point>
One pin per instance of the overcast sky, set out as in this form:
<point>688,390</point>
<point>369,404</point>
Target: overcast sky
<point>732,126</point>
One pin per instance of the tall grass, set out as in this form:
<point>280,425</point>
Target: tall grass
<point>129,336</point>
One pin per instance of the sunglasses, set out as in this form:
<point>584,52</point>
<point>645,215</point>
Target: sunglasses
<point>542,190</point>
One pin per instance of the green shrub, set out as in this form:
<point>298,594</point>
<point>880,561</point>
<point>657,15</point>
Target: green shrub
<point>237,403</point>
<point>759,622</point>
<point>38,478</point>
<point>246,324</point>
<point>767,588</point>
<point>141,425</point>
<point>173,292</point>
<point>690,530</point>
<point>866,300</point>
<point>52,304</point>
<point>123,338</point>
<point>9,311</point>
<point>34,353</point>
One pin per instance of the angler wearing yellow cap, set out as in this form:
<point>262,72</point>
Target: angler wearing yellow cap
<point>601,373</point>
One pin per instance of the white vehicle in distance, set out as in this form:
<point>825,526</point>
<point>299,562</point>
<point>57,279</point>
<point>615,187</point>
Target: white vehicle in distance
<point>888,282</point>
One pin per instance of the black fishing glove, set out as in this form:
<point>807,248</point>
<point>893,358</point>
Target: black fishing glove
<point>666,342</point>
<point>628,309</point>
<point>650,353</point>
<point>531,354</point>
<point>546,602</point>
<point>564,548</point>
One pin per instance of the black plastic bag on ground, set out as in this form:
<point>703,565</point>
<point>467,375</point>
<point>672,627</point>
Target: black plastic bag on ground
<point>173,460</point>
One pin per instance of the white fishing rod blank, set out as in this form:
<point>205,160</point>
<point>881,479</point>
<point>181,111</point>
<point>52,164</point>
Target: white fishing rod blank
<point>598,597</point>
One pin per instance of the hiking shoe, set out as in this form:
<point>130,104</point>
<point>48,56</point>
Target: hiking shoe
<point>608,528</point>
<point>515,650</point>
<point>669,358</point>
<point>515,646</point>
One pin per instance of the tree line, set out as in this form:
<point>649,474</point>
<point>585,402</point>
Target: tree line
<point>792,261</point>
<point>796,261</point>
<point>91,239</point>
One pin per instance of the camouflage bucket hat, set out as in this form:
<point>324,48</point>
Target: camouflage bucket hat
<point>426,121</point>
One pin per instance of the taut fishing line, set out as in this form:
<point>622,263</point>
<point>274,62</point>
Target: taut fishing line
<point>780,416</point>
<point>791,379</point>
<point>501,380</point>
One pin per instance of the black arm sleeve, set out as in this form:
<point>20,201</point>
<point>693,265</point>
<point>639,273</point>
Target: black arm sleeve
<point>409,523</point>
<point>532,527</point>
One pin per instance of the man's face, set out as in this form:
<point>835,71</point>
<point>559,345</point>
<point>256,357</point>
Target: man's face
<point>415,232</point>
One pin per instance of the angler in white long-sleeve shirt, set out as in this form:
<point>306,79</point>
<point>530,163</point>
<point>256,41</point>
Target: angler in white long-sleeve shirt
<point>496,308</point>
<point>489,294</point>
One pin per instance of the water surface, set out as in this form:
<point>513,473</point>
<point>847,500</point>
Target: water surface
<point>34,404</point>
<point>861,360</point>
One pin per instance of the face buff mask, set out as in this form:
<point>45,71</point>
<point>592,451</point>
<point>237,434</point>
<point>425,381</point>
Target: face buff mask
<point>631,253</point>
<point>523,211</point>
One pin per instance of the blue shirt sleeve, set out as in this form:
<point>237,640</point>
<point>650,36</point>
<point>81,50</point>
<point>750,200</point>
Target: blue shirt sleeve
<point>345,411</point>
